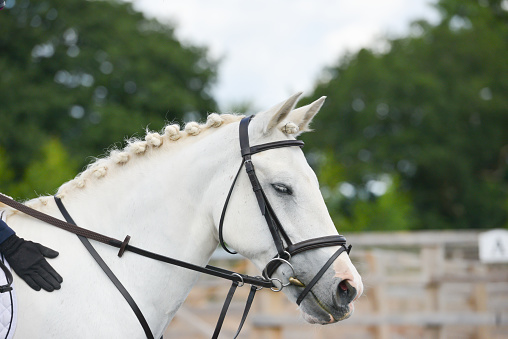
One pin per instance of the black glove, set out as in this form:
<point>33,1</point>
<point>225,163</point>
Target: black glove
<point>27,259</point>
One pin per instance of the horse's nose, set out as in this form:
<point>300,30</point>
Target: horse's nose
<point>346,292</point>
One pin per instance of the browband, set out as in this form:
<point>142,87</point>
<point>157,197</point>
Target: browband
<point>271,145</point>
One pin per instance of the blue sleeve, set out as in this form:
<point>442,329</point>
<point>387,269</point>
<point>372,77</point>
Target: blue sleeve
<point>5,231</point>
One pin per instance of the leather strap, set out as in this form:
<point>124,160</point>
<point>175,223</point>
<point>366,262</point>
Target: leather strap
<point>327,241</point>
<point>223,214</point>
<point>246,310</point>
<point>108,272</point>
<point>271,145</point>
<point>319,274</point>
<point>273,223</point>
<point>224,310</point>
<point>59,223</point>
<point>8,276</point>
<point>225,307</point>
<point>211,270</point>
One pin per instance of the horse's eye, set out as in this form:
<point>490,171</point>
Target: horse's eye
<point>283,189</point>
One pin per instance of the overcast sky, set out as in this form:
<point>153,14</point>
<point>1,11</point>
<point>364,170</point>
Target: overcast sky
<point>272,49</point>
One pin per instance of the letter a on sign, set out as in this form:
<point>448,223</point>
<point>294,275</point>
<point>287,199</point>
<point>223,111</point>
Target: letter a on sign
<point>493,246</point>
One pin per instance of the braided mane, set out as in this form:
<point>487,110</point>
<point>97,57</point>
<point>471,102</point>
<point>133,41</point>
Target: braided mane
<point>136,147</point>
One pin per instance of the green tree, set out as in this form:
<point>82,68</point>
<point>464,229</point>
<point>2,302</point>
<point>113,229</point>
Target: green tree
<point>91,73</point>
<point>376,206</point>
<point>44,175</point>
<point>6,174</point>
<point>431,111</point>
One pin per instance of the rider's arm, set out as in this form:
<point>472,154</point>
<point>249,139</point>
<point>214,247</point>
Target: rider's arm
<point>27,259</point>
<point>5,231</point>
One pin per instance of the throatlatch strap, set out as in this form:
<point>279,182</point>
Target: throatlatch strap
<point>108,272</point>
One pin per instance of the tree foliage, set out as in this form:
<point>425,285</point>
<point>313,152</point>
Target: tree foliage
<point>88,74</point>
<point>431,113</point>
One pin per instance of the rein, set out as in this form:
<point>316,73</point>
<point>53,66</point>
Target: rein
<point>285,248</point>
<point>237,279</point>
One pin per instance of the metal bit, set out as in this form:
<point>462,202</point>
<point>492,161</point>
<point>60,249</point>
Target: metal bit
<point>296,282</point>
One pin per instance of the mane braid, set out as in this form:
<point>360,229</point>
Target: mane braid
<point>136,147</point>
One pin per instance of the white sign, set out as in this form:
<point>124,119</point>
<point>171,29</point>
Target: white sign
<point>493,246</point>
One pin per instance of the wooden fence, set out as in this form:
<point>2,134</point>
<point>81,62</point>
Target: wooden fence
<point>417,285</point>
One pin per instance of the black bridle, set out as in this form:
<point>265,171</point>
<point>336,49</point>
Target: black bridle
<point>284,252</point>
<point>279,235</point>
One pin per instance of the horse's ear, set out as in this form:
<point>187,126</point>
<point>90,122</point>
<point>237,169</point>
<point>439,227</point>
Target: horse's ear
<point>303,116</point>
<point>268,120</point>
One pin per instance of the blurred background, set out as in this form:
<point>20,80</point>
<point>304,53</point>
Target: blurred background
<point>411,147</point>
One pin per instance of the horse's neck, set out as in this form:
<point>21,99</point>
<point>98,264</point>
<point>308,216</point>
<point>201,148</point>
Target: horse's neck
<point>164,201</point>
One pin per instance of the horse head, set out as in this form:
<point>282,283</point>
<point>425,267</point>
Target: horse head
<point>307,264</point>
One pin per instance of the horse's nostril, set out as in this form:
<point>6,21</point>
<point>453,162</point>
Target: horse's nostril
<point>346,292</point>
<point>343,285</point>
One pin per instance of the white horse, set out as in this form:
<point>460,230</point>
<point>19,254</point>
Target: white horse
<point>167,192</point>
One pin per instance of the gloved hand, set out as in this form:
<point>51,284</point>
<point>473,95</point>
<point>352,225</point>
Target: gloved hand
<point>27,259</point>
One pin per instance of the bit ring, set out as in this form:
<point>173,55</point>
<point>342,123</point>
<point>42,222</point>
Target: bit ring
<point>241,278</point>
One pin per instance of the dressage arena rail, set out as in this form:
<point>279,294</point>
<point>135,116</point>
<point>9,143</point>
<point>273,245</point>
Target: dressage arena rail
<point>417,285</point>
